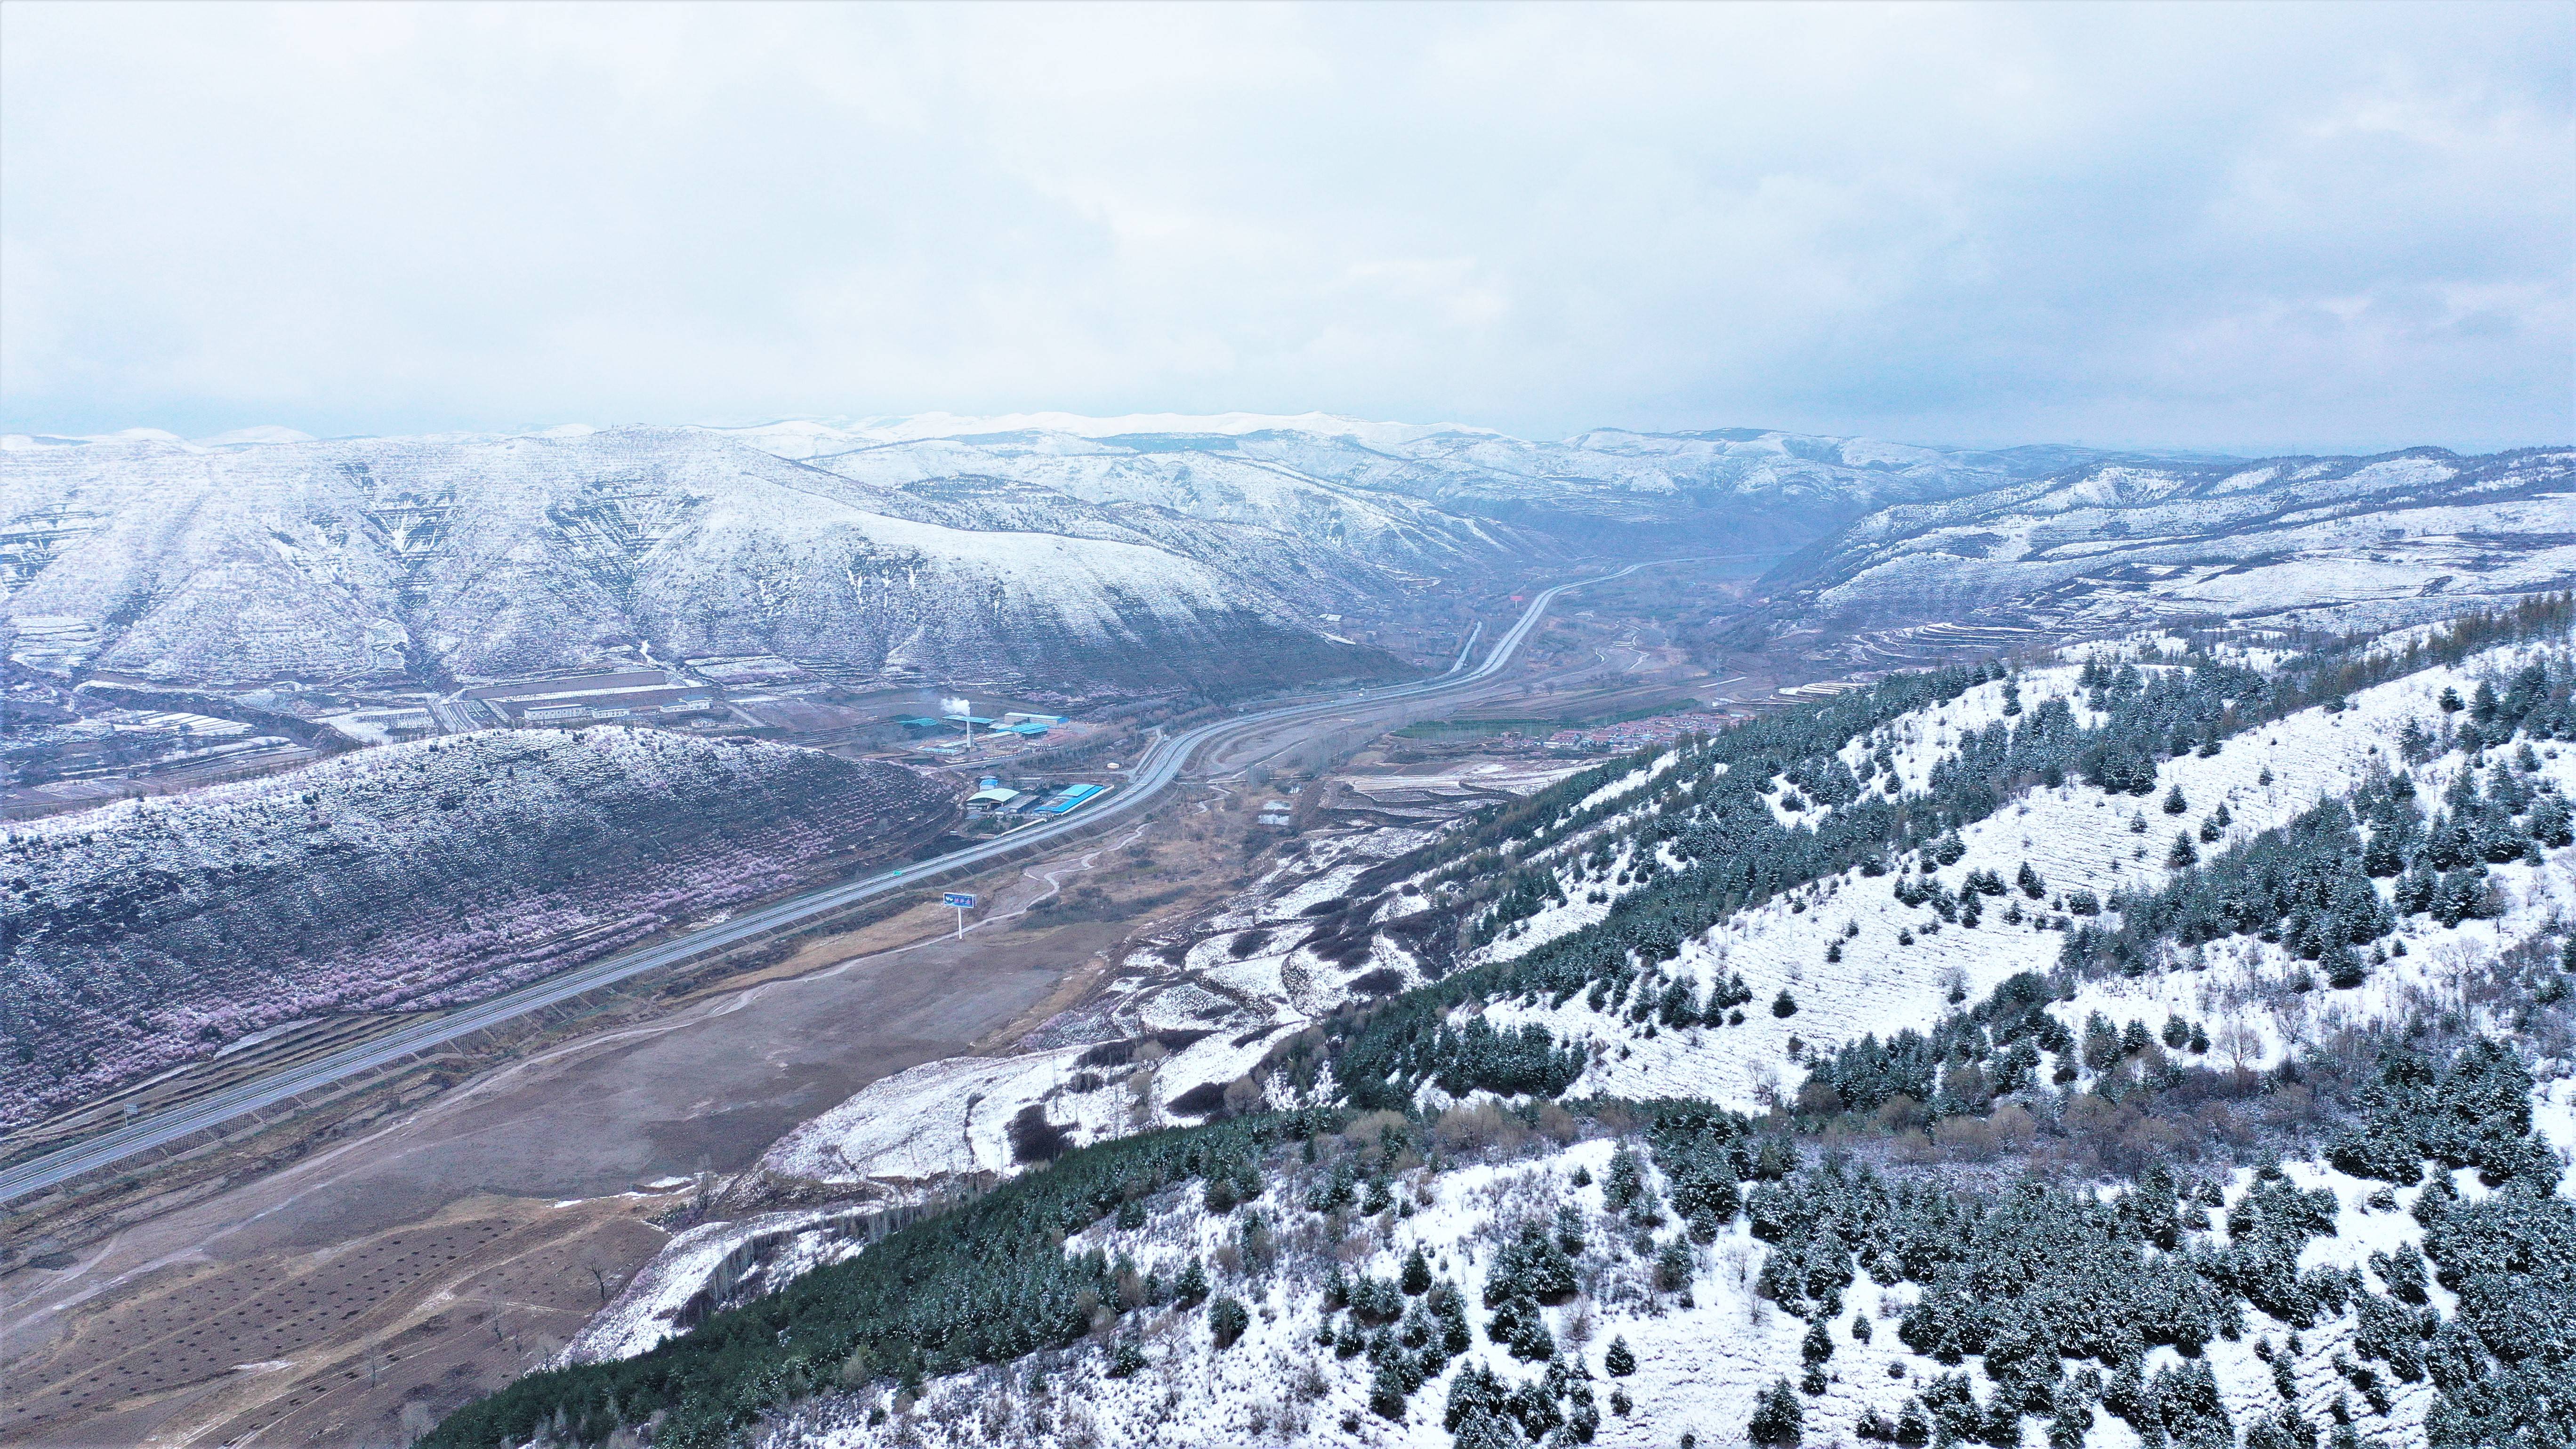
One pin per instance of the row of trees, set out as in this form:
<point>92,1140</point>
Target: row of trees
<point>139,937</point>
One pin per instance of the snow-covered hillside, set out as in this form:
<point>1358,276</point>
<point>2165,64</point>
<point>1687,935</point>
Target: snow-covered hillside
<point>1628,1276</point>
<point>1209,487</point>
<point>490,556</point>
<point>150,933</point>
<point>1654,1336</point>
<point>1856,951</point>
<point>2330,542</point>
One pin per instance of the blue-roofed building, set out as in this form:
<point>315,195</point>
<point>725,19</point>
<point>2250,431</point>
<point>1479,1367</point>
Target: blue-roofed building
<point>1070,799</point>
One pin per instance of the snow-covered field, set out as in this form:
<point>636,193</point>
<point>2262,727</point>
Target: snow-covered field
<point>1200,1029</point>
<point>945,1119</point>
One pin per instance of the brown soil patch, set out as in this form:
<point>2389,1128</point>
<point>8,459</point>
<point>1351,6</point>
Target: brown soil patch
<point>330,1349</point>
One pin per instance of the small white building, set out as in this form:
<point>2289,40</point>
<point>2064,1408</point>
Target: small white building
<point>990,799</point>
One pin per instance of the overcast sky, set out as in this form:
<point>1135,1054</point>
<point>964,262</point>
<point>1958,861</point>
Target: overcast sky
<point>2219,226</point>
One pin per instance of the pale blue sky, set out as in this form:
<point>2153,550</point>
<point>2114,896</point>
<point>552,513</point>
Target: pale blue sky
<point>2219,226</point>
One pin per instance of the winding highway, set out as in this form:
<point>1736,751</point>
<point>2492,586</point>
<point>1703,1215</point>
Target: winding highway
<point>1161,765</point>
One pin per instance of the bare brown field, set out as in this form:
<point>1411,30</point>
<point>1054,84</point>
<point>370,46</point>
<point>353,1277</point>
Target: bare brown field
<point>332,1349</point>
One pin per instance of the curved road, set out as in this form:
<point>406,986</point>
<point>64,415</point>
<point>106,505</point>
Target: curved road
<point>1161,765</point>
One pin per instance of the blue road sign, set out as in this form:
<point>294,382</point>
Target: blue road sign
<point>960,899</point>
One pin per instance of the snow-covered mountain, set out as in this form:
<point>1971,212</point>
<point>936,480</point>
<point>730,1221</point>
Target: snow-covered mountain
<point>1160,550</point>
<point>1746,489</point>
<point>498,555</point>
<point>1148,551</point>
<point>2101,548</point>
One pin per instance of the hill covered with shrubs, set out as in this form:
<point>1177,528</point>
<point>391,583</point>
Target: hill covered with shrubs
<point>151,933</point>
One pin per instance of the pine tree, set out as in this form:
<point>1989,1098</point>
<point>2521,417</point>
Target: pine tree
<point>1778,1418</point>
<point>1626,1182</point>
<point>1484,1428</point>
<point>1818,1345</point>
<point>2182,854</point>
<point>1227,1319</point>
<point>2174,803</point>
<point>1784,1004</point>
<point>1673,1266</point>
<point>1417,1273</point>
<point>1387,1390</point>
<point>2549,823</point>
<point>1621,1360</point>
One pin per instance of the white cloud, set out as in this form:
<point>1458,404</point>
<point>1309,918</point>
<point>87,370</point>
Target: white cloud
<point>2218,226</point>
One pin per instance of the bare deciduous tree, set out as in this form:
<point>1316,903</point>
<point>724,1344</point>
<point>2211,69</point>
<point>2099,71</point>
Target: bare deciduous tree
<point>2242,1045</point>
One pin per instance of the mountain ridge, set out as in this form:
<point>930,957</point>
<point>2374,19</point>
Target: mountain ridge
<point>2376,541</point>
<point>1162,551</point>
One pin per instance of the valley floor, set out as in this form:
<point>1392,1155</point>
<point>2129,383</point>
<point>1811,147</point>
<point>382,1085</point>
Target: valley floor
<point>600,1121</point>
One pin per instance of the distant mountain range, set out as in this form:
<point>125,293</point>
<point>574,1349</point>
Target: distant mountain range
<point>1145,552</point>
<point>1756,488</point>
<point>2343,543</point>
